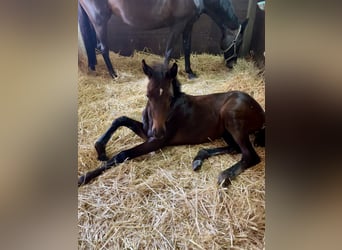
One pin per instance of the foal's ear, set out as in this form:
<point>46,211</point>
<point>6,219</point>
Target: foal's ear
<point>172,73</point>
<point>147,69</point>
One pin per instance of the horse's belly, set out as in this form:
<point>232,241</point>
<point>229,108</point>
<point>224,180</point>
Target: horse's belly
<point>153,14</point>
<point>196,135</point>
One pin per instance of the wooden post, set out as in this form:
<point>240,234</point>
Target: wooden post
<point>247,36</point>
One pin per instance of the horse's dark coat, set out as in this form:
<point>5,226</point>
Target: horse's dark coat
<point>179,15</point>
<point>172,117</point>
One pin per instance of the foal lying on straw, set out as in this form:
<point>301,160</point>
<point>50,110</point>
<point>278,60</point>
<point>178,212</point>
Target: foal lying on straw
<point>172,117</point>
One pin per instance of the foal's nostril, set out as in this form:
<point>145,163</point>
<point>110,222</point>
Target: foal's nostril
<point>158,134</point>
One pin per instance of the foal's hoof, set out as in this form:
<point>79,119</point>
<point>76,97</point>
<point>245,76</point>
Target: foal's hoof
<point>81,180</point>
<point>223,180</point>
<point>196,165</point>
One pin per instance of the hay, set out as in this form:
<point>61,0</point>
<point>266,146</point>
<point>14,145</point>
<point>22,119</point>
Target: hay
<point>156,201</point>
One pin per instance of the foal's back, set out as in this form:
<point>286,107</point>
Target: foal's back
<point>199,119</point>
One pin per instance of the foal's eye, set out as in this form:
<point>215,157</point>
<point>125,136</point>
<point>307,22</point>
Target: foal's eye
<point>149,97</point>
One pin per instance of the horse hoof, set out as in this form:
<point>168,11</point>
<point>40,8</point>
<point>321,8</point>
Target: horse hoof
<point>113,75</point>
<point>192,76</point>
<point>81,180</point>
<point>92,72</point>
<point>223,180</point>
<point>196,164</point>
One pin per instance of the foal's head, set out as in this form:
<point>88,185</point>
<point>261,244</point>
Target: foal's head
<point>161,90</point>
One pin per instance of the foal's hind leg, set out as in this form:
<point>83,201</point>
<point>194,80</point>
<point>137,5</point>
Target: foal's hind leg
<point>249,159</point>
<point>203,154</point>
<point>206,153</point>
<point>259,140</point>
<point>135,126</point>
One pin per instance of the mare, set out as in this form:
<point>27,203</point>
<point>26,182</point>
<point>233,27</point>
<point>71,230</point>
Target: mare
<point>172,117</point>
<point>179,15</point>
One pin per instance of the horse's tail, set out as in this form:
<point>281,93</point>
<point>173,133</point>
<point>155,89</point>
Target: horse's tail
<point>259,137</point>
<point>88,35</point>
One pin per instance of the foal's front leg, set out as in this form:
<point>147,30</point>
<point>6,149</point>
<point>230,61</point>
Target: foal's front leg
<point>144,148</point>
<point>135,126</point>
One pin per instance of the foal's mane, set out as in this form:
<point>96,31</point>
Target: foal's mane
<point>176,88</point>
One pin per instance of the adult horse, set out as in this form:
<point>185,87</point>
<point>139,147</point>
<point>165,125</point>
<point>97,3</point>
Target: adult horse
<point>172,117</point>
<point>180,15</point>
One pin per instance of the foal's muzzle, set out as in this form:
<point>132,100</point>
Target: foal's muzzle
<point>158,133</point>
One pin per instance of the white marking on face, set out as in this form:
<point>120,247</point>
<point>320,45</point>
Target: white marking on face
<point>160,91</point>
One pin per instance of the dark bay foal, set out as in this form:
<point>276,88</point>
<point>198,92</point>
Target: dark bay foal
<point>172,117</point>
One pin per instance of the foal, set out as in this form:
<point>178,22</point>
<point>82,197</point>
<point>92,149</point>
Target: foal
<point>172,117</point>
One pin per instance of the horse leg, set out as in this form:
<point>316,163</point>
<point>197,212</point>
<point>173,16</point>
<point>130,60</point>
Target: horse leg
<point>175,32</point>
<point>259,140</point>
<point>135,126</point>
<point>144,148</point>
<point>205,153</point>
<point>249,158</point>
<point>102,43</point>
<point>89,37</point>
<point>187,49</point>
<point>231,142</point>
<point>232,148</point>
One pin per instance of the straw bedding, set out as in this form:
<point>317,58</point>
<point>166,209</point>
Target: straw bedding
<point>156,201</point>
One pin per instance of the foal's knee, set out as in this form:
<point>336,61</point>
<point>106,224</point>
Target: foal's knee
<point>101,151</point>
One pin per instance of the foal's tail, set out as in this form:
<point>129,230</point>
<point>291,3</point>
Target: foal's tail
<point>88,35</point>
<point>259,139</point>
